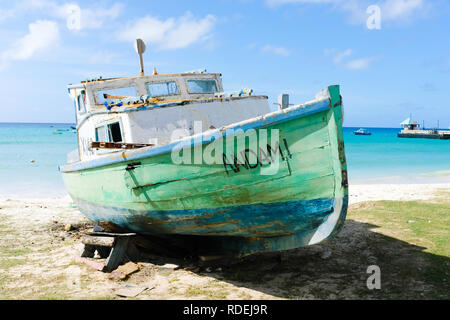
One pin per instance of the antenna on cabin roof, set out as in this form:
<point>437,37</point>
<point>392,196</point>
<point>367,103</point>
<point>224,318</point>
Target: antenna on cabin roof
<point>139,46</point>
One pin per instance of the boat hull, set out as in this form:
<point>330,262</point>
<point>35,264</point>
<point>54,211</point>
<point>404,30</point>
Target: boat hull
<point>234,231</point>
<point>238,206</point>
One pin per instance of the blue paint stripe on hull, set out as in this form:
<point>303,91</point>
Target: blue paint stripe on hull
<point>239,246</point>
<point>269,219</point>
<point>312,226</point>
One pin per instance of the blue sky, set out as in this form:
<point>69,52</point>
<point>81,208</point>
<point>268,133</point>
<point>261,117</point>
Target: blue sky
<point>272,46</point>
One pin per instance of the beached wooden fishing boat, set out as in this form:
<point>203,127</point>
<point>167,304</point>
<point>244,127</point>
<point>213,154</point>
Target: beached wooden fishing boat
<point>287,190</point>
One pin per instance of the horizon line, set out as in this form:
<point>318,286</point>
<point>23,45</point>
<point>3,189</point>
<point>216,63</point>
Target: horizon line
<point>71,123</point>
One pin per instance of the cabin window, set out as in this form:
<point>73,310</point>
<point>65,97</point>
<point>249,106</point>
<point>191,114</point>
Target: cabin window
<point>115,134</point>
<point>115,94</point>
<point>101,134</point>
<point>109,133</point>
<point>162,89</point>
<point>202,86</point>
<point>81,102</point>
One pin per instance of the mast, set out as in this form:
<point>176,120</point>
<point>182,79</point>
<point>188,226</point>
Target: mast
<point>140,49</point>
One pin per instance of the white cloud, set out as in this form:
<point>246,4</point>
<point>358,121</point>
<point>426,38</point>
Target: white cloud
<point>92,17</point>
<point>342,55</point>
<point>401,9</point>
<point>391,10</point>
<point>342,59</point>
<point>6,13</point>
<point>42,36</point>
<point>169,34</point>
<point>359,64</point>
<point>280,51</point>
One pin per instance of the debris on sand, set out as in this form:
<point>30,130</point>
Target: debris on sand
<point>123,271</point>
<point>326,254</point>
<point>170,266</point>
<point>116,276</point>
<point>192,269</point>
<point>93,264</point>
<point>131,291</point>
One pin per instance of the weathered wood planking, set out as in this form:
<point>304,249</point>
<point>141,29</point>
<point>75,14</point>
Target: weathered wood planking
<point>98,241</point>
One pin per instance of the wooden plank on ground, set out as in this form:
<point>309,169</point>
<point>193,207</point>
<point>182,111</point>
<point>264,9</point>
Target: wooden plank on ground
<point>98,241</point>
<point>110,234</point>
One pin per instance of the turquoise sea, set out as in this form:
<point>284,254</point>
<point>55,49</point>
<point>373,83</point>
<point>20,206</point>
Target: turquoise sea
<point>30,155</point>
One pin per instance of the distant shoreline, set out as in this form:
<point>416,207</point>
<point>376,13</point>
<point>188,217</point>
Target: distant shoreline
<point>68,123</point>
<point>73,123</point>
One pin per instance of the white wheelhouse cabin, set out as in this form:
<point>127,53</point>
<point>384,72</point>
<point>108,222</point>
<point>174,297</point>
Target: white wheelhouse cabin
<point>155,109</point>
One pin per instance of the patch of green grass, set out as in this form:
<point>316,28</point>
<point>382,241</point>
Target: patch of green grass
<point>55,287</point>
<point>54,293</point>
<point>428,223</point>
<point>15,252</point>
<point>3,280</point>
<point>219,295</point>
<point>68,242</point>
<point>420,231</point>
<point>193,292</point>
<point>173,290</point>
<point>209,294</point>
<point>6,263</point>
<point>108,297</point>
<point>3,223</point>
<point>47,248</point>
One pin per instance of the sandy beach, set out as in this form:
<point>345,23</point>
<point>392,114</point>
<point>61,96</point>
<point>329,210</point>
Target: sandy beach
<point>37,258</point>
<point>396,192</point>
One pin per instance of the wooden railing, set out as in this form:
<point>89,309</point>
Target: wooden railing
<point>119,145</point>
